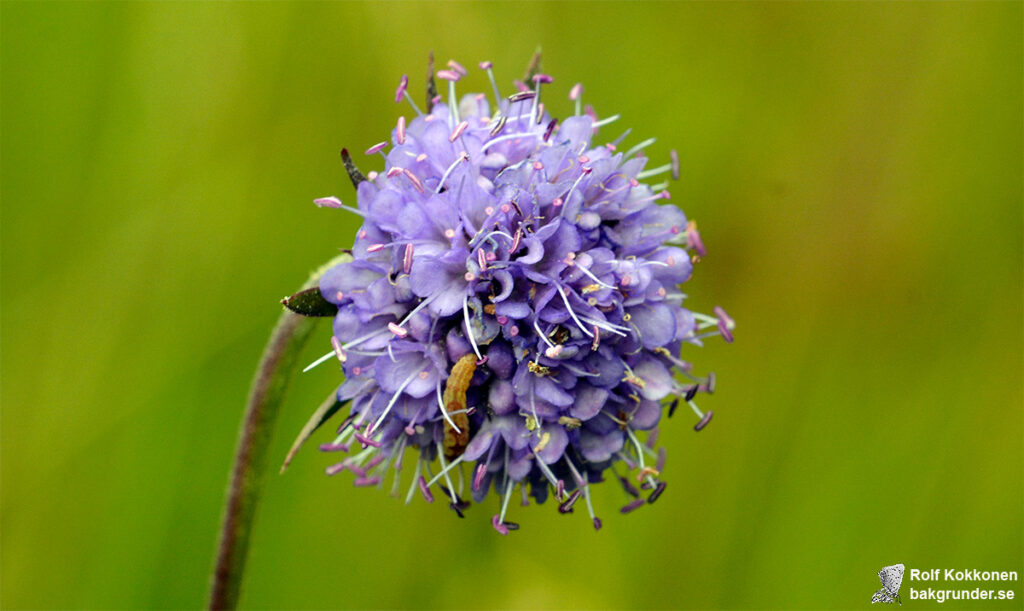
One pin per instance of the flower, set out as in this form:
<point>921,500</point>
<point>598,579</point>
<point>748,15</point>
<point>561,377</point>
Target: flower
<point>512,304</point>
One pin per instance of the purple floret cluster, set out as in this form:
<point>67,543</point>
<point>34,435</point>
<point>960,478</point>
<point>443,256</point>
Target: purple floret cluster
<point>498,231</point>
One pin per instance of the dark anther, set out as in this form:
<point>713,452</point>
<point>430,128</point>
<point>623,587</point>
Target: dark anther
<point>657,493</point>
<point>628,487</point>
<point>566,507</point>
<point>691,392</point>
<point>672,408</point>
<point>597,523</point>
<point>703,421</point>
<point>522,95</point>
<point>353,172</point>
<point>499,126</point>
<point>456,509</point>
<point>510,525</point>
<point>550,129</point>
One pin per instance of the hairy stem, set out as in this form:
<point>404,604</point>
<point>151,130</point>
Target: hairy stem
<point>251,461</point>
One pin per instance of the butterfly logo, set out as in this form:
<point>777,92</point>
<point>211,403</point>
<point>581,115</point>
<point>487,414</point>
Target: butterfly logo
<point>891,577</point>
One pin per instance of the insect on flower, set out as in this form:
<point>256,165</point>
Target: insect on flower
<point>511,308</point>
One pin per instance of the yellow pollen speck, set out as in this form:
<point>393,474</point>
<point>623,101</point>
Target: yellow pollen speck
<point>590,288</point>
<point>569,422</point>
<point>531,423</point>
<point>489,309</point>
<point>626,317</point>
<point>634,380</point>
<point>543,442</point>
<point>538,369</point>
<point>592,301</point>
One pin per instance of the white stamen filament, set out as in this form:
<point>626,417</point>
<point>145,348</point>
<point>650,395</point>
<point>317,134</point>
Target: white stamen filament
<point>453,106</point>
<point>602,122</point>
<point>444,412</point>
<point>444,471</point>
<point>451,168</point>
<point>494,141</point>
<point>504,499</point>
<point>391,403</point>
<point>571,313</point>
<point>413,104</point>
<point>469,328</point>
<point>415,481</point>
<point>654,171</point>
<point>639,147</point>
<point>541,335</point>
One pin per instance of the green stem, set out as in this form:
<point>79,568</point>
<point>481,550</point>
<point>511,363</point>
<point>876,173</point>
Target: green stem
<point>251,461</point>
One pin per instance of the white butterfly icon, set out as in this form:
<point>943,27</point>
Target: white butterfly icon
<point>892,577</point>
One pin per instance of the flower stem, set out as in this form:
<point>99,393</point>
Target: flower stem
<point>265,397</point>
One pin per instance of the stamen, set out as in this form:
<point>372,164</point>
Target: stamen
<point>500,125</point>
<point>672,407</point>
<point>606,121</point>
<point>402,84</point>
<point>322,359</point>
<point>505,497</point>
<point>566,506</point>
<point>657,493</point>
<point>398,331</point>
<point>703,421</point>
<point>478,476</point>
<point>444,412</point>
<point>407,259</point>
<point>498,526</point>
<point>366,441</point>
<point>575,95</point>
<point>423,489</point>
<point>632,506</point>
<point>463,157</point>
<point>494,141</point>
<point>521,96</point>
<point>376,148</point>
<point>469,328</point>
<point>571,312</point>
<point>654,171</point>
<point>448,75</point>
<point>334,202</point>
<point>628,487</point>
<point>481,258</point>
<point>457,67</point>
<point>639,147</point>
<point>550,129</point>
<point>459,129</point>
<point>725,323</point>
<point>486,65</point>
<point>413,179</point>
<point>674,156</point>
<point>400,130</point>
<point>391,403</point>
<point>338,351</point>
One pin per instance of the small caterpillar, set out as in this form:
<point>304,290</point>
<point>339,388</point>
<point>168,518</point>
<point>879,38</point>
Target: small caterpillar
<point>455,404</point>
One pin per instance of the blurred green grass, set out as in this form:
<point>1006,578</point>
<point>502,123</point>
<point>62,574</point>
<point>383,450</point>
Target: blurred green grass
<point>856,171</point>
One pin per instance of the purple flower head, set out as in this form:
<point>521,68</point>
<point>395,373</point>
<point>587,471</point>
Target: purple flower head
<point>512,311</point>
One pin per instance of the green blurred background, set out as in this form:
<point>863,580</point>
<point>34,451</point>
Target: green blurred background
<point>856,171</point>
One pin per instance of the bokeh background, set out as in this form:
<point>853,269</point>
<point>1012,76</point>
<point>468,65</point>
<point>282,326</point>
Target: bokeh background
<point>856,171</point>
